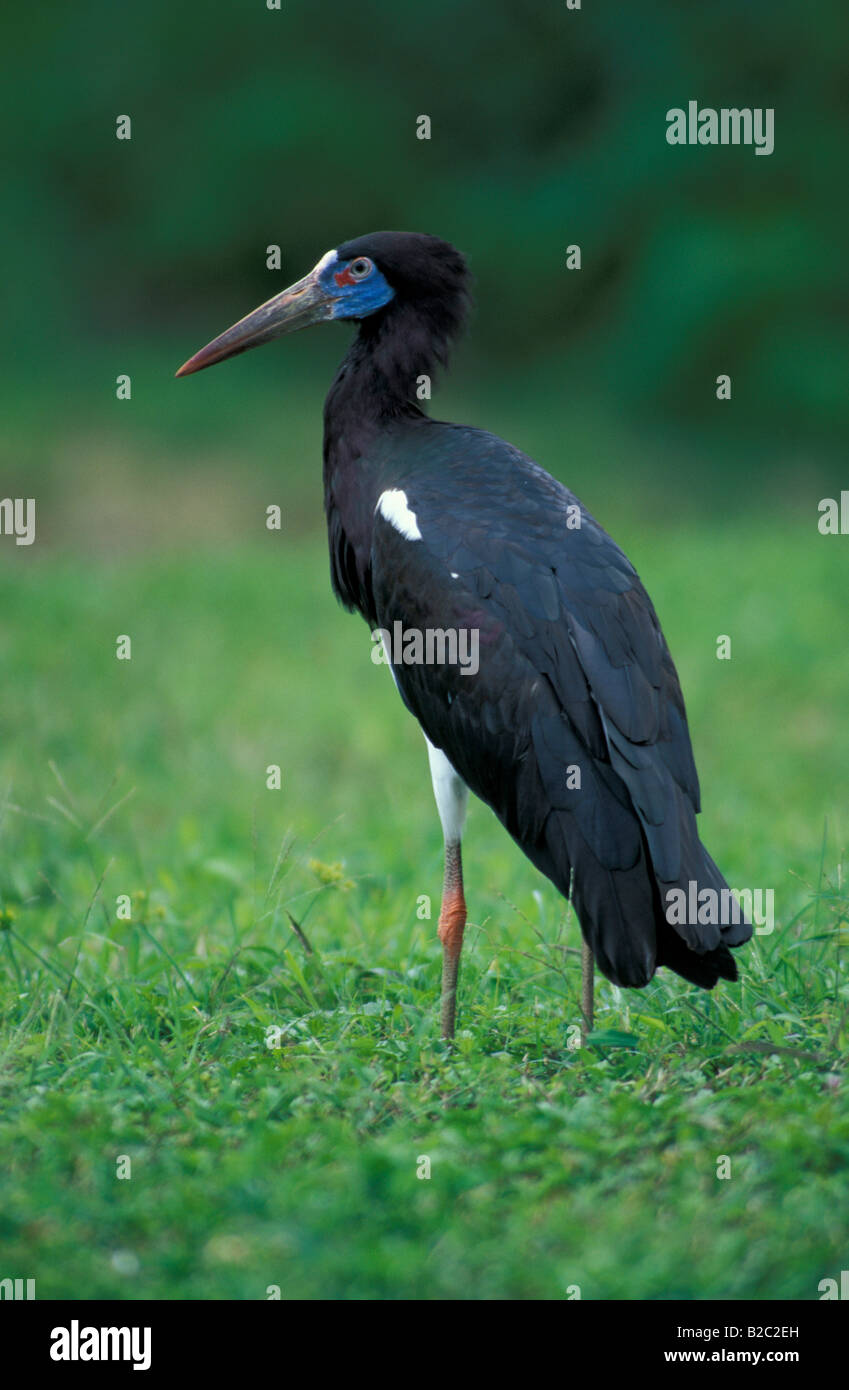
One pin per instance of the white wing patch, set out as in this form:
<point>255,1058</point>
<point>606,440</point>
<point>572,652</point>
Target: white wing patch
<point>392,505</point>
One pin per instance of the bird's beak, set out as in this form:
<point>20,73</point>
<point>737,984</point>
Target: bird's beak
<point>302,304</point>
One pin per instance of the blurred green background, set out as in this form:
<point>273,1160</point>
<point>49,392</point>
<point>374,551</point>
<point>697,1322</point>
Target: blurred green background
<point>253,127</point>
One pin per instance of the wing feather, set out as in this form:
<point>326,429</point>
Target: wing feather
<point>574,672</point>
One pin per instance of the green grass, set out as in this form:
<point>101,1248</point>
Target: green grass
<point>296,1165</point>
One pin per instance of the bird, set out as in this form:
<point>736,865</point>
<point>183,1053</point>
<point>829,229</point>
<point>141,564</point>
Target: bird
<point>570,723</point>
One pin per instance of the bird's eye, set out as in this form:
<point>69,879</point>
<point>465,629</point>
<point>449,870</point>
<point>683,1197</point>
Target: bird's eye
<point>360,268</point>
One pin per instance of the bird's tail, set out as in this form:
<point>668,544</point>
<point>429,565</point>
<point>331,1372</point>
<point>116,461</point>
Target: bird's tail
<point>703,970</point>
<point>633,921</point>
<point>698,919</point>
<point>644,888</point>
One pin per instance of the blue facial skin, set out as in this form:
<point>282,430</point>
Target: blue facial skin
<point>358,300</point>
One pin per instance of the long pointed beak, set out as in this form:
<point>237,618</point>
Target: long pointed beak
<point>298,307</point>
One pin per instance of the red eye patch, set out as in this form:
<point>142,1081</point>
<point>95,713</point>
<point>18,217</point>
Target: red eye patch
<point>344,277</point>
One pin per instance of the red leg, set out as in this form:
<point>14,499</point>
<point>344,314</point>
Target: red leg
<point>452,921</point>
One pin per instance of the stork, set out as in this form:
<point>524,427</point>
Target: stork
<point>572,727</point>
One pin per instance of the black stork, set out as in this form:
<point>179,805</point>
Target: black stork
<point>572,726</point>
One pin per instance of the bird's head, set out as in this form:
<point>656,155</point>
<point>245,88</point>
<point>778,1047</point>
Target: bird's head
<point>401,274</point>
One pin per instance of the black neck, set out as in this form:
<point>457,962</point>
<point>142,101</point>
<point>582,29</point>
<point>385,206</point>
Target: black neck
<point>373,392</point>
<point>379,377</point>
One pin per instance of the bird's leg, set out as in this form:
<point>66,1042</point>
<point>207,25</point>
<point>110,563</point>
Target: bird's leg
<point>587,990</point>
<point>451,795</point>
<point>452,921</point>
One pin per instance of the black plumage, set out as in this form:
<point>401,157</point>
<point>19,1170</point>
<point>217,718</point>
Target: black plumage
<point>574,671</point>
<point>574,668</point>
